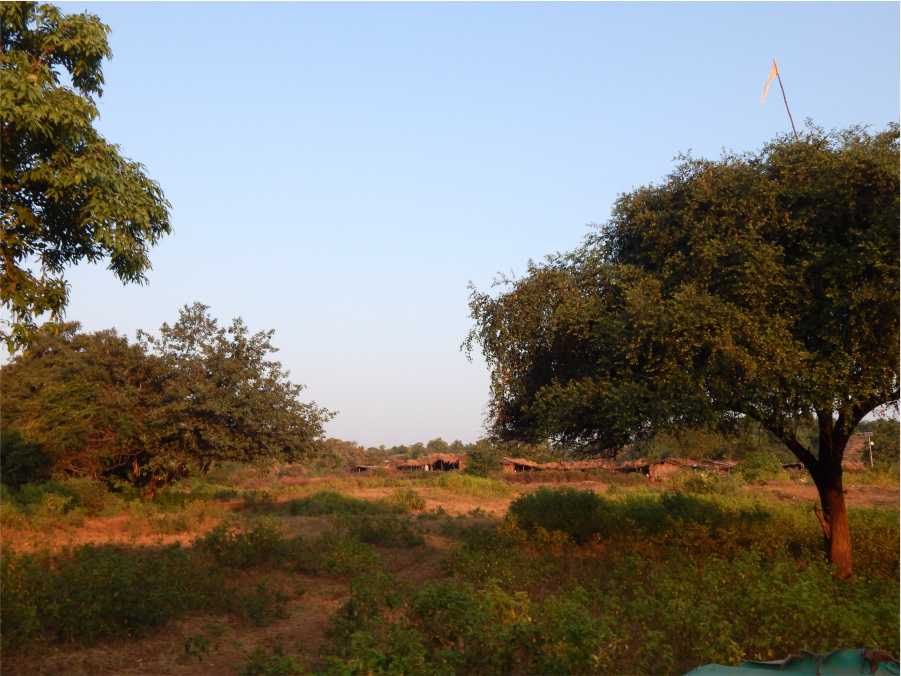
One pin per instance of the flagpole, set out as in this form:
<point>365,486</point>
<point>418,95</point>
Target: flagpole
<point>790,119</point>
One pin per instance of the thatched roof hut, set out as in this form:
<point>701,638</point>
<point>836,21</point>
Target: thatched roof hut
<point>511,465</point>
<point>436,462</point>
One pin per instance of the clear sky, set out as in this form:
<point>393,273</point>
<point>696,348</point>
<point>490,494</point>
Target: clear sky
<point>340,172</point>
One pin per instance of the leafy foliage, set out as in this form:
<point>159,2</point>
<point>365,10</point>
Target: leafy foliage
<point>156,410</point>
<point>331,502</point>
<point>87,399</point>
<point>67,194</point>
<point>99,591</point>
<point>223,398</point>
<point>759,466</point>
<point>22,462</point>
<point>762,285</point>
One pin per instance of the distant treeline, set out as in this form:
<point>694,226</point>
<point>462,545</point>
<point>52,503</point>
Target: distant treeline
<point>485,455</point>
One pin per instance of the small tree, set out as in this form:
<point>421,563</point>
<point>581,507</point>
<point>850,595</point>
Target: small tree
<point>223,399</point>
<point>762,285</point>
<point>66,194</point>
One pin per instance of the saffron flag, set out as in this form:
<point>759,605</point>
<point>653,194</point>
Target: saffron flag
<point>774,73</point>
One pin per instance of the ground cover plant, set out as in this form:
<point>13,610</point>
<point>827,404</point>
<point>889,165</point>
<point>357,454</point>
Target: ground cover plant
<point>648,584</point>
<point>635,579</point>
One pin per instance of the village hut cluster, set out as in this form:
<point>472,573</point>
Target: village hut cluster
<point>858,456</point>
<point>436,462</point>
<point>655,470</point>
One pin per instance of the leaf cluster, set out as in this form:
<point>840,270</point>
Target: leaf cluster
<point>66,194</point>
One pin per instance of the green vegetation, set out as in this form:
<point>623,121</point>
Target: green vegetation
<point>263,663</point>
<point>96,592</point>
<point>151,412</point>
<point>759,466</point>
<point>68,195</point>
<point>636,581</point>
<point>407,500</point>
<point>645,597</point>
<point>464,484</point>
<point>331,502</point>
<point>745,307</point>
<point>761,285</point>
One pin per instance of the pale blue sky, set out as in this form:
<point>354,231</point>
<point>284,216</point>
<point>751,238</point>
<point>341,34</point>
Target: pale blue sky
<point>340,172</point>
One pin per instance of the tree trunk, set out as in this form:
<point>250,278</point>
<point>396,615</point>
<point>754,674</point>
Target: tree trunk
<point>834,519</point>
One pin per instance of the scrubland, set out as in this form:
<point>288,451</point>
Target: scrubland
<point>269,571</point>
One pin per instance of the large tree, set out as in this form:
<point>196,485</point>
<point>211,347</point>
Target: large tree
<point>760,285</point>
<point>66,194</point>
<point>153,411</point>
<point>87,400</point>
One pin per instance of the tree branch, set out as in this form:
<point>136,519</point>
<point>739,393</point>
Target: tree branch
<point>801,452</point>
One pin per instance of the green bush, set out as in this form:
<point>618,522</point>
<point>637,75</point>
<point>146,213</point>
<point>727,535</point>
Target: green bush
<point>236,548</point>
<point>337,554</point>
<point>330,502</point>
<point>759,466</point>
<point>92,496</point>
<point>683,597</point>
<point>96,592</point>
<point>467,484</point>
<point>32,496</point>
<point>710,483</point>
<point>393,650</point>
<point>407,500</point>
<point>581,514</point>
<point>263,663</point>
<point>260,607</point>
<point>22,462</point>
<point>385,531</point>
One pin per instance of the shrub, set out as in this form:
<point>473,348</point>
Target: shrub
<point>330,502</point>
<point>32,496</point>
<point>571,639</point>
<point>236,548</point>
<point>759,466</point>
<point>708,483</point>
<point>667,603</point>
<point>336,554</point>
<point>407,500</point>
<point>93,496</point>
<point>263,663</point>
<point>259,607</point>
<point>392,650</point>
<point>21,461</point>
<point>578,513</point>
<point>385,531</point>
<point>95,592</point>
<point>467,484</point>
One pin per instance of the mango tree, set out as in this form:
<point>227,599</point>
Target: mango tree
<point>761,285</point>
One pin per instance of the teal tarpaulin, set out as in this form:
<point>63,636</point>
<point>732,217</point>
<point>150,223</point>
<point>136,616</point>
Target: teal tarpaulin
<point>838,663</point>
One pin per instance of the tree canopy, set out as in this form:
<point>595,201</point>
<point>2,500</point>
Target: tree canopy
<point>158,409</point>
<point>761,285</point>
<point>66,194</point>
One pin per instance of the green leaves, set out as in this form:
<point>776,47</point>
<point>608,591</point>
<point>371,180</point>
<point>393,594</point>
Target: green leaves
<point>66,194</point>
<point>763,284</point>
<point>159,409</point>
